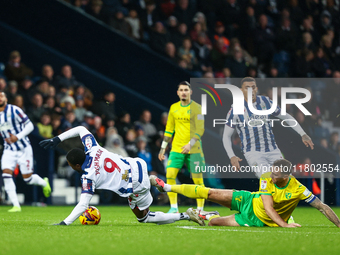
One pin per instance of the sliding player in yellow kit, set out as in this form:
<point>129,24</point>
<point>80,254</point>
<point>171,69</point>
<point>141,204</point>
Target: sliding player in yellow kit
<point>272,205</point>
<point>186,123</point>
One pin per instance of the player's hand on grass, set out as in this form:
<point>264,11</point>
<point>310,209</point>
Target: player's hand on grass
<point>11,139</point>
<point>50,143</point>
<point>61,223</point>
<point>293,225</point>
<point>235,162</point>
<point>307,141</point>
<point>161,156</point>
<point>186,148</point>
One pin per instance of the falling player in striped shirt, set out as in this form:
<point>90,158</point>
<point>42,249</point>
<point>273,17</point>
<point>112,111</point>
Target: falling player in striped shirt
<point>14,129</point>
<point>258,143</point>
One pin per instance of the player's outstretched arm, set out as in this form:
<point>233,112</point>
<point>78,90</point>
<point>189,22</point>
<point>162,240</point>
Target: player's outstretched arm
<point>73,132</point>
<point>270,211</point>
<point>165,142</point>
<point>80,208</point>
<point>298,129</point>
<point>326,210</point>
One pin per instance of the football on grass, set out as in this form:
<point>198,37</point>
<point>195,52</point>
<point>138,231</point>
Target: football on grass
<point>91,216</point>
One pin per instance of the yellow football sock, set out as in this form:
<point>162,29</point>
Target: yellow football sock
<point>198,180</point>
<point>191,191</point>
<point>213,217</point>
<point>171,174</point>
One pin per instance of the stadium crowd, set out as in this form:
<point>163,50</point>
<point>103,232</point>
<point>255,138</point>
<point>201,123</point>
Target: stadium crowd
<point>216,38</point>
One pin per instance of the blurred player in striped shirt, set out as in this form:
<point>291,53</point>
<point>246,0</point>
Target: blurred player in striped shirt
<point>14,128</point>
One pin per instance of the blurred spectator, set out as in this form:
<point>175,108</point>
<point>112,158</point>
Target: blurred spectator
<point>307,42</point>
<point>219,32</point>
<point>27,91</point>
<point>172,24</point>
<point>34,112</point>
<point>139,130</point>
<point>324,143</point>
<point>166,7</point>
<point>114,145</point>
<point>303,66</point>
<point>230,14</point>
<point>334,141</point>
<point>12,91</point>
<point>124,124</point>
<point>235,43</point>
<point>43,88</point>
<point>162,124</point>
<point>321,65</point>
<point>96,10</point>
<point>118,22</point>
<point>66,78</point>
<point>19,101</point>
<point>325,22</point>
<point>264,39</point>
<point>143,153</point>
<point>3,84</point>
<point>56,124</point>
<point>185,52</point>
<point>237,65</point>
<point>159,37</point>
<point>179,35</point>
<point>67,104</point>
<point>219,54</point>
<point>50,106</point>
<point>327,45</point>
<point>307,26</point>
<point>87,95</point>
<point>202,53</point>
<point>80,110</point>
<point>170,52</point>
<point>286,37</point>
<point>200,18</point>
<point>100,130</point>
<point>197,31</point>
<point>149,16</point>
<point>130,144</point>
<point>145,122</point>
<point>15,70</point>
<point>88,121</point>
<point>47,73</point>
<point>184,12</point>
<point>44,126</point>
<point>105,107</point>
<point>319,131</point>
<point>69,122</point>
<point>135,24</point>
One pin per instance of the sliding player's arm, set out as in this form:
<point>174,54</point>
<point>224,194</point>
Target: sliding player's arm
<point>199,129</point>
<point>270,211</point>
<point>169,131</point>
<point>87,192</point>
<point>74,132</point>
<point>325,210</point>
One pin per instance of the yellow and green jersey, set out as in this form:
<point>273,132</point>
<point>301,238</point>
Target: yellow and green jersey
<point>185,122</point>
<point>284,199</point>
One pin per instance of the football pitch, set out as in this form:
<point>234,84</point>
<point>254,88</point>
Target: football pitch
<point>32,232</point>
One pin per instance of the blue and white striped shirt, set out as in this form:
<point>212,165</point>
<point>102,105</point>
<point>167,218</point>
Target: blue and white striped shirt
<point>258,136</point>
<point>12,121</point>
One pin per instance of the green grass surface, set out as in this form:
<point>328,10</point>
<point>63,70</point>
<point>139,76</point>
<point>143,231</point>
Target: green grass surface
<point>32,232</point>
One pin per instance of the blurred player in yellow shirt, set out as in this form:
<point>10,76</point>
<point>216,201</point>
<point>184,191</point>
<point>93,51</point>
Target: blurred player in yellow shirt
<point>272,205</point>
<point>186,123</point>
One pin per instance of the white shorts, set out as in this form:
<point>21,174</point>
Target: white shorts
<point>24,158</point>
<point>262,161</point>
<point>141,196</point>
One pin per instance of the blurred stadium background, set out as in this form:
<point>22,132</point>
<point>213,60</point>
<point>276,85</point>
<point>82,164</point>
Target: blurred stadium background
<point>114,65</point>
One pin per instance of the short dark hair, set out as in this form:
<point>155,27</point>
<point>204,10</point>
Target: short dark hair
<point>247,79</point>
<point>184,83</point>
<point>284,164</point>
<point>76,156</point>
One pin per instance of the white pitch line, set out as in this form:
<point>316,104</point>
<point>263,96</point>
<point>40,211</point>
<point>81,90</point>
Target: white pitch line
<point>244,230</point>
